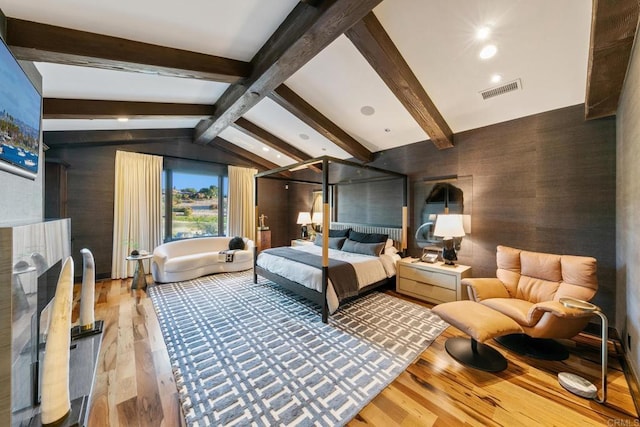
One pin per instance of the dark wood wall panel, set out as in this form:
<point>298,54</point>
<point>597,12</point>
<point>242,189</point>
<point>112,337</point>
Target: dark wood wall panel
<point>90,181</point>
<point>300,200</point>
<point>378,203</point>
<point>273,201</point>
<point>541,183</point>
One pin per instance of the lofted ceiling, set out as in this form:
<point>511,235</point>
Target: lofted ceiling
<point>288,80</point>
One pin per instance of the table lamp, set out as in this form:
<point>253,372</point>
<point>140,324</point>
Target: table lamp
<point>304,218</point>
<point>449,226</point>
<point>316,220</point>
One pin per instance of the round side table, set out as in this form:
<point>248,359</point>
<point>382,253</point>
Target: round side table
<point>139,276</point>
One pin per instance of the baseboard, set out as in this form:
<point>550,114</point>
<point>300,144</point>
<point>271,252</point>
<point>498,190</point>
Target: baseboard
<point>630,375</point>
<point>102,276</point>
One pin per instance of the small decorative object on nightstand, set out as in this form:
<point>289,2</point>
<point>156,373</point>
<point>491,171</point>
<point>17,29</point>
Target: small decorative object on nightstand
<point>262,225</point>
<point>434,282</point>
<point>304,219</point>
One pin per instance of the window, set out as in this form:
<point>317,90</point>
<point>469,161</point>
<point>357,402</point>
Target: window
<point>194,204</point>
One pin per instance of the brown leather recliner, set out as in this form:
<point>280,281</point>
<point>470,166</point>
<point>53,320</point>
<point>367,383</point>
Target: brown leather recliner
<point>528,288</point>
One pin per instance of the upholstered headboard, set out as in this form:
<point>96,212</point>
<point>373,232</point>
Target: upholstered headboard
<point>394,233</point>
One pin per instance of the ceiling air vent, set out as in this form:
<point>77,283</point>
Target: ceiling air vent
<point>501,90</point>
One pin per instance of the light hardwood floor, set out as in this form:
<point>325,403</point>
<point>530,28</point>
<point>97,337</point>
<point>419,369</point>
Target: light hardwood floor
<point>134,385</point>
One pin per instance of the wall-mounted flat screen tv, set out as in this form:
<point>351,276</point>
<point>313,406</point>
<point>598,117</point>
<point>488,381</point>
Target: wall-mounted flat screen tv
<point>20,113</point>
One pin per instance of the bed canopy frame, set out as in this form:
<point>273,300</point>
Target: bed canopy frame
<point>364,174</point>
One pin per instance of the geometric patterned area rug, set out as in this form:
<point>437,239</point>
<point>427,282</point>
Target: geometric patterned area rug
<point>256,354</point>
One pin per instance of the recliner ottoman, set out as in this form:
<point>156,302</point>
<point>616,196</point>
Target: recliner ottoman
<point>481,323</point>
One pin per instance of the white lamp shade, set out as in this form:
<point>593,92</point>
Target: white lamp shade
<point>316,218</point>
<point>449,225</point>
<point>304,218</point>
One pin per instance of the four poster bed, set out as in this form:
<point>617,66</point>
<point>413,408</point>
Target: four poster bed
<point>347,259</point>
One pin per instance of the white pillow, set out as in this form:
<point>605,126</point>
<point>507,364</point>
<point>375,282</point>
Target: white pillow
<point>391,250</point>
<point>389,243</point>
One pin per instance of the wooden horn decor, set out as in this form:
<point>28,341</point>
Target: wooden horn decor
<point>55,404</point>
<point>87,294</point>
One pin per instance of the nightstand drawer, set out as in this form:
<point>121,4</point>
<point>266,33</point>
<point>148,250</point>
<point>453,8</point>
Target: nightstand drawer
<point>424,290</point>
<point>431,277</point>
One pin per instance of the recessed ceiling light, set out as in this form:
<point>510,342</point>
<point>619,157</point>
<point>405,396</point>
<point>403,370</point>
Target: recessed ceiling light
<point>483,33</point>
<point>123,119</point>
<point>304,136</point>
<point>488,51</point>
<point>278,156</point>
<point>496,78</point>
<point>324,149</point>
<point>367,110</point>
<point>265,148</point>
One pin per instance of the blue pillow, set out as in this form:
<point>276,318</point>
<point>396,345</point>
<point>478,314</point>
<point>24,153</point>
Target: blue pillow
<point>334,242</point>
<point>368,237</point>
<point>372,249</point>
<point>339,233</point>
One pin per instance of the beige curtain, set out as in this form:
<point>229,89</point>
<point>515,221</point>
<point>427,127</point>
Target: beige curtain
<point>241,205</point>
<point>137,218</point>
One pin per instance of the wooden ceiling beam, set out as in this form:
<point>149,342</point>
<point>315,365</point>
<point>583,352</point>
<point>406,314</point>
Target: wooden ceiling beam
<point>34,41</point>
<point>60,108</point>
<point>292,102</point>
<point>270,140</point>
<point>80,138</point>
<point>373,42</point>
<point>305,32</point>
<point>613,28</point>
<point>93,138</point>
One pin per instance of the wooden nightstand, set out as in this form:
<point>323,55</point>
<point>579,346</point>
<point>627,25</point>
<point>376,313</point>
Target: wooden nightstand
<point>263,239</point>
<point>435,283</point>
<point>301,242</point>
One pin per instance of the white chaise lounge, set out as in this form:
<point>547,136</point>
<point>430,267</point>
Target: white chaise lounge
<point>191,258</point>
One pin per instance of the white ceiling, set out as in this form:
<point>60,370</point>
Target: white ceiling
<point>339,82</point>
<point>544,43</point>
<point>270,116</point>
